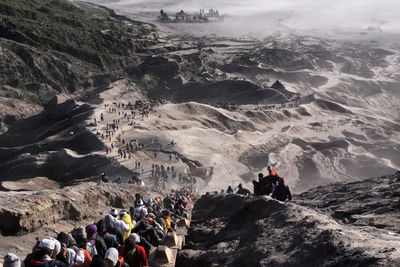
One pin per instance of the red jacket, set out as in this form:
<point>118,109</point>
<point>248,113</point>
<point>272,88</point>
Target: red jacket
<point>140,257</point>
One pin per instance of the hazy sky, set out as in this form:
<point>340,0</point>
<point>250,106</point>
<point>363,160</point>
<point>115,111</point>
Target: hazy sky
<point>297,14</point>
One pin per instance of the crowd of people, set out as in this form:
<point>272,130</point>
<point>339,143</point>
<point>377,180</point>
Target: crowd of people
<point>110,128</point>
<point>272,184</point>
<point>120,238</point>
<point>124,113</point>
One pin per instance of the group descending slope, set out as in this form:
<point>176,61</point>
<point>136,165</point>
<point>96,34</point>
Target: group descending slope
<point>129,237</point>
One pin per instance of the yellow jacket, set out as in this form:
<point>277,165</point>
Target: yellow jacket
<point>127,218</point>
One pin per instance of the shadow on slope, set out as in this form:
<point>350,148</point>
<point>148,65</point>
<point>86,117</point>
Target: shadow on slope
<point>159,75</point>
<point>54,144</point>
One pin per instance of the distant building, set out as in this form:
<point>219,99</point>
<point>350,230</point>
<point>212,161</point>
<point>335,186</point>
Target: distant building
<point>213,13</point>
<point>182,15</point>
<point>201,17</point>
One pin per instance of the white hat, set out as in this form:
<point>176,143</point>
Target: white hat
<point>57,246</point>
<point>47,243</point>
<point>11,260</point>
<point>136,237</point>
<point>139,203</point>
<point>112,255</point>
<point>122,212</point>
<point>114,212</point>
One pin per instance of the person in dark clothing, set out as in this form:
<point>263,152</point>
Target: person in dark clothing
<point>98,261</point>
<point>103,178</point>
<point>269,182</point>
<point>101,245</point>
<point>257,185</point>
<point>229,190</point>
<point>243,191</point>
<point>281,191</point>
<point>147,232</point>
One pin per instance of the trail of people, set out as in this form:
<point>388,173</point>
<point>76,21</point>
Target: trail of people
<point>147,233</point>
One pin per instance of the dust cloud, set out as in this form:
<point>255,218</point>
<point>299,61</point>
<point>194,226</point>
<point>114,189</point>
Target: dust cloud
<point>372,15</point>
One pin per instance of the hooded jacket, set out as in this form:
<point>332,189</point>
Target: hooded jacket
<point>127,219</point>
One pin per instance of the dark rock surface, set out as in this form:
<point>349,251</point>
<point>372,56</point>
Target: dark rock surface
<point>352,224</point>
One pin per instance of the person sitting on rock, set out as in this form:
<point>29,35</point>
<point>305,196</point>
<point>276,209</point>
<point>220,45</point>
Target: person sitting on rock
<point>281,191</point>
<point>42,255</point>
<point>243,191</point>
<point>229,190</point>
<point>273,175</point>
<point>269,182</point>
<point>134,254</point>
<point>258,184</point>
